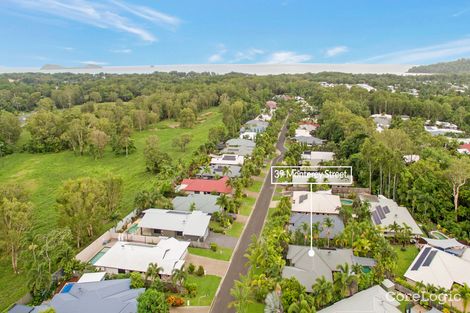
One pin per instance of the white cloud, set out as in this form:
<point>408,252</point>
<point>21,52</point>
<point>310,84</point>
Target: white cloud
<point>336,51</point>
<point>287,57</point>
<point>461,12</point>
<point>124,51</point>
<point>247,55</point>
<point>456,48</point>
<point>108,15</point>
<point>219,55</point>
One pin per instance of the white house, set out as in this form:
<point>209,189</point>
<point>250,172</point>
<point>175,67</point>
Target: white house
<point>227,159</point>
<point>316,157</point>
<point>248,135</point>
<point>125,257</point>
<point>317,202</point>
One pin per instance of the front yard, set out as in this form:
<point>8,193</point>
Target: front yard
<point>222,253</point>
<point>206,287</point>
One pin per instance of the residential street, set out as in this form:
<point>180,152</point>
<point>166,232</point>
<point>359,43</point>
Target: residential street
<point>254,227</point>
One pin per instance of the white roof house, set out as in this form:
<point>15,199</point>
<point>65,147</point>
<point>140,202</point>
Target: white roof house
<point>318,202</point>
<point>316,157</point>
<point>228,159</point>
<point>372,300</point>
<point>435,131</point>
<point>193,223</point>
<point>438,268</point>
<point>92,277</point>
<point>168,253</point>
<point>385,212</point>
<point>248,135</point>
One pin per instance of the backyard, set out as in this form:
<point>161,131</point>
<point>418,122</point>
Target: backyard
<point>405,258</point>
<point>43,174</point>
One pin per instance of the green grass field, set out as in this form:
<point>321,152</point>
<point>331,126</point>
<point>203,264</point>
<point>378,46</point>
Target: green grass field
<point>255,307</point>
<point>222,253</point>
<point>405,258</point>
<point>247,205</point>
<point>256,187</point>
<point>43,174</point>
<point>206,289</point>
<point>235,230</point>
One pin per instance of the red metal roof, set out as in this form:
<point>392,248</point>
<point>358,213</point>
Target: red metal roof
<point>207,185</point>
<point>465,146</point>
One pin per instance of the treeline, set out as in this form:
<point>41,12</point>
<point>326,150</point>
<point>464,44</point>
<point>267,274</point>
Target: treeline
<point>457,66</point>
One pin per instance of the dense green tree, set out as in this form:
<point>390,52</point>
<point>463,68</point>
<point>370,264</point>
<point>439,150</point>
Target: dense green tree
<point>152,301</point>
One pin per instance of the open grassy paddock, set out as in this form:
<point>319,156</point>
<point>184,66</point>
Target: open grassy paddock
<point>43,175</point>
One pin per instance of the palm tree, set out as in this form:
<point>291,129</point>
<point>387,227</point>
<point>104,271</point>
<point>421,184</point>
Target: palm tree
<point>222,201</point>
<point>226,171</point>
<point>395,228</point>
<point>178,276</point>
<point>305,228</point>
<point>328,223</point>
<point>316,230</point>
<point>345,212</point>
<point>153,272</point>
<point>301,306</point>
<point>323,292</point>
<point>241,292</point>
<point>464,293</point>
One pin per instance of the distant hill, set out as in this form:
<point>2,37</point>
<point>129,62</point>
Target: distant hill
<point>60,67</point>
<point>52,67</point>
<point>453,67</point>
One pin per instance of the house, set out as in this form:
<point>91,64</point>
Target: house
<point>205,186</point>
<point>305,129</point>
<point>264,117</point>
<point>411,158</point>
<point>386,212</point>
<point>248,135</point>
<point>366,87</point>
<point>108,296</point>
<point>316,157</point>
<point>307,269</point>
<point>308,140</point>
<point>92,277</point>
<point>271,105</point>
<point>217,171</point>
<point>382,121</point>
<point>193,225</point>
<point>450,245</point>
<point>464,149</point>
<point>200,202</point>
<point>239,146</point>
<point>372,300</point>
<point>227,159</point>
<point>298,219</point>
<point>126,257</point>
<point>436,131</point>
<point>436,267</point>
<point>316,202</point>
<point>256,126</point>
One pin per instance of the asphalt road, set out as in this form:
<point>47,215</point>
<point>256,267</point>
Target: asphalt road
<point>254,227</point>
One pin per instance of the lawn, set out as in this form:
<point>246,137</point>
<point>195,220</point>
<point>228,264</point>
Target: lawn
<point>255,307</point>
<point>235,230</point>
<point>43,174</point>
<point>256,187</point>
<point>247,206</point>
<point>405,258</point>
<point>206,288</point>
<point>222,253</point>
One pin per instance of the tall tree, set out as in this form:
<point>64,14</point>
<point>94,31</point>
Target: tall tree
<point>457,173</point>
<point>187,118</point>
<point>98,140</point>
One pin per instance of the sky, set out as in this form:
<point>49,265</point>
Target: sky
<point>145,32</point>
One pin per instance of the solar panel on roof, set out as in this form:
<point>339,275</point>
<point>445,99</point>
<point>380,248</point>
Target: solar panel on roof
<point>430,258</point>
<point>380,212</point>
<point>230,157</point>
<point>376,218</point>
<point>421,259</point>
<point>386,209</point>
<point>302,198</point>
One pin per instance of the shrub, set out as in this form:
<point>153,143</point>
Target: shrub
<point>191,268</point>
<point>191,288</point>
<point>200,271</point>
<point>175,301</point>
<point>214,246</point>
<point>137,281</point>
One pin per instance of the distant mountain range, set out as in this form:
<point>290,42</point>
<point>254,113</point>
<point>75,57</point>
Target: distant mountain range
<point>60,67</point>
<point>459,66</point>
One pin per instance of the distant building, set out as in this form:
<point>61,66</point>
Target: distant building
<point>411,158</point>
<point>436,131</point>
<point>193,225</point>
<point>108,296</point>
<point>248,135</point>
<point>205,186</point>
<point>309,140</point>
<point>256,126</point>
<point>200,202</point>
<point>382,121</point>
<point>271,105</point>
<point>307,269</point>
<point>464,149</point>
<point>386,212</point>
<point>239,146</point>
<point>126,257</point>
<point>217,171</point>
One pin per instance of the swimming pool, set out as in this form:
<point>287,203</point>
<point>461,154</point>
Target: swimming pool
<point>438,235</point>
<point>67,287</point>
<point>98,255</point>
<point>346,202</point>
<point>133,229</point>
